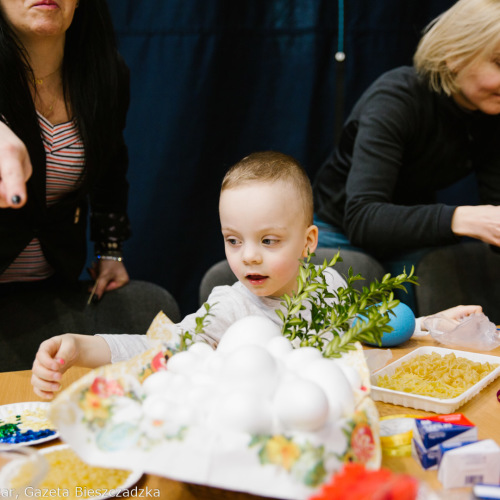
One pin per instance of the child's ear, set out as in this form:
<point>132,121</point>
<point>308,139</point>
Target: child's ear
<point>311,240</point>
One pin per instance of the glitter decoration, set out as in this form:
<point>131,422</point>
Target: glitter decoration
<point>10,433</point>
<point>25,423</point>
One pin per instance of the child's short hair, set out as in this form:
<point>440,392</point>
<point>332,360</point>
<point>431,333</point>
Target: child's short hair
<point>272,166</point>
<point>467,30</point>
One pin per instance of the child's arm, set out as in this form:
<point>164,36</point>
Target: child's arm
<point>57,354</point>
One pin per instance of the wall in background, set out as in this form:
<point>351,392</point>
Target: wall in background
<point>213,81</point>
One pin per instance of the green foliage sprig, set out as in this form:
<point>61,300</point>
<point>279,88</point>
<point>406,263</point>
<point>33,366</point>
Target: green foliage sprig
<point>331,327</point>
<point>187,338</point>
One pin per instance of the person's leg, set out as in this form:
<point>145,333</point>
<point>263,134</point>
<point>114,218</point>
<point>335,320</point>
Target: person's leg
<point>32,313</point>
<point>465,273</point>
<point>331,237</point>
<point>131,309</point>
<point>404,262</point>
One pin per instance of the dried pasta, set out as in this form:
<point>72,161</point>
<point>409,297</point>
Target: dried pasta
<point>72,477</point>
<point>436,376</point>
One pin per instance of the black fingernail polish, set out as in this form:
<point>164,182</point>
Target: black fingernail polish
<point>95,299</point>
<point>16,199</point>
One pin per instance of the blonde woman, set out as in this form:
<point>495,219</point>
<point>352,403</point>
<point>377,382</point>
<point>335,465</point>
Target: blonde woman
<point>417,130</point>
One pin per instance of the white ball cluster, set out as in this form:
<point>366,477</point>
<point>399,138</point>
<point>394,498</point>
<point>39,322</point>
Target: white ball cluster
<point>255,382</point>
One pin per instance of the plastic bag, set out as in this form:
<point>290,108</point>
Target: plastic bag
<point>473,332</point>
<point>377,358</point>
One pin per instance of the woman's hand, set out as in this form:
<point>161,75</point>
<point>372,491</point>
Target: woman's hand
<point>110,275</point>
<point>458,313</point>
<point>481,222</point>
<point>15,169</point>
<point>455,314</point>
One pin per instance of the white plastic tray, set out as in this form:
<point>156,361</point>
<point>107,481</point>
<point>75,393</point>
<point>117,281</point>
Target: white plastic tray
<point>425,402</point>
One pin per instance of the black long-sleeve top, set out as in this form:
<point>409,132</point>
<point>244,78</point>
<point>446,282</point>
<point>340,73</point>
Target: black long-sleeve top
<point>401,144</point>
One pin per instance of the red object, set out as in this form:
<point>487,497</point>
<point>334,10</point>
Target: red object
<point>451,418</point>
<point>362,443</point>
<point>355,482</point>
<point>106,388</point>
<point>159,362</point>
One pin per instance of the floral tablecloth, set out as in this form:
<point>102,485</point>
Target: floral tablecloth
<point>102,416</point>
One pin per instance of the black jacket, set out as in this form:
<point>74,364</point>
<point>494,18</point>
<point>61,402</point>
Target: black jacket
<point>401,144</point>
<point>62,228</point>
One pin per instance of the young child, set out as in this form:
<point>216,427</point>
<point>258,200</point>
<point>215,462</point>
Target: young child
<point>266,213</point>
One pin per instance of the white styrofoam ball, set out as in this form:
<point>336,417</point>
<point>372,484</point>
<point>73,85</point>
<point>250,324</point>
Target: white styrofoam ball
<point>156,407</point>
<point>158,382</point>
<point>203,378</point>
<point>243,412</point>
<point>251,367</point>
<point>213,364</point>
<point>183,362</point>
<point>351,374</point>
<point>250,361</point>
<point>201,349</point>
<point>279,346</point>
<point>178,381</point>
<point>254,330</point>
<point>330,377</point>
<point>301,405</point>
<point>176,390</point>
<point>298,359</point>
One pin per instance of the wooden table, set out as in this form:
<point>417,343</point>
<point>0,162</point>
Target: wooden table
<point>483,410</point>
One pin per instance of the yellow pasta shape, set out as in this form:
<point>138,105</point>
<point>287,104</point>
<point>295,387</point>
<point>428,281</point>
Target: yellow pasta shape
<point>436,376</point>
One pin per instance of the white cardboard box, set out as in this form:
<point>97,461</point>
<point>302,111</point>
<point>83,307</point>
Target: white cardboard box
<point>474,463</point>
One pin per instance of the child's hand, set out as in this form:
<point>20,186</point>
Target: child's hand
<point>53,358</point>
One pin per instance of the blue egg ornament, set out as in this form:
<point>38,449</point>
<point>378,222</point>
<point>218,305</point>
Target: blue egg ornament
<point>403,324</point>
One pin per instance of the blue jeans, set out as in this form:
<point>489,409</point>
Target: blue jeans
<point>332,237</point>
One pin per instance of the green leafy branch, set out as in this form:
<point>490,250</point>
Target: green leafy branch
<point>342,317</point>
<point>188,338</point>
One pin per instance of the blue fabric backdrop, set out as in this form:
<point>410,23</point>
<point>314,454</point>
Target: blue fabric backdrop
<point>213,80</point>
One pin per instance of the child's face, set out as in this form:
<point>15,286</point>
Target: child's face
<point>265,235</point>
<point>479,85</point>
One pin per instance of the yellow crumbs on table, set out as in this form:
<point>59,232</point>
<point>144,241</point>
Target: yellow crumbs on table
<point>437,376</point>
<point>68,473</point>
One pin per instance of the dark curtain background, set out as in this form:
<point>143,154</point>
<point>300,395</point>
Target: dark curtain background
<point>214,80</point>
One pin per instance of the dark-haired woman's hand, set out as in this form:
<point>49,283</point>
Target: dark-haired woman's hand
<point>15,169</point>
<point>110,275</point>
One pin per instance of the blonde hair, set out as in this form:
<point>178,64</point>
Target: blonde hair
<point>271,166</point>
<point>468,30</point>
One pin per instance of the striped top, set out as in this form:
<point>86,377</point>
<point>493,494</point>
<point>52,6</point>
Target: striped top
<point>65,160</point>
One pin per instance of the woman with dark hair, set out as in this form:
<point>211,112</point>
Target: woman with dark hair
<point>64,93</point>
<point>64,96</point>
